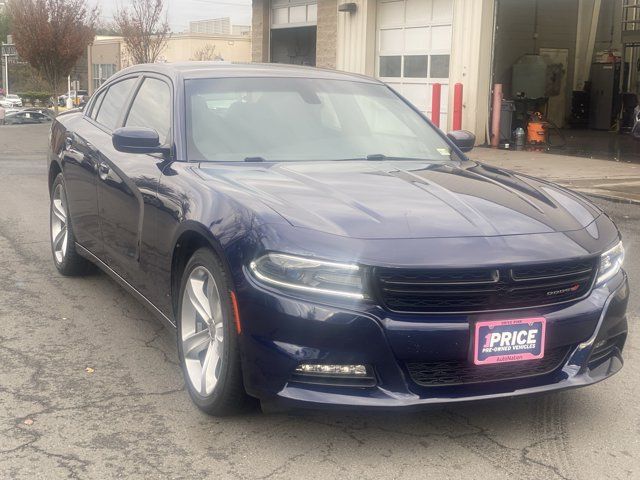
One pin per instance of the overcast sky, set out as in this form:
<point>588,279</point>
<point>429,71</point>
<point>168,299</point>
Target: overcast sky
<point>182,11</point>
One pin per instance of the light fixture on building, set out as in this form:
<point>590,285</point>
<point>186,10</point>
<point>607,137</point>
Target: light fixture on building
<point>350,7</point>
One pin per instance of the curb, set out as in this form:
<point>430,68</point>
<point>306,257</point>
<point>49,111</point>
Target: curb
<point>611,198</point>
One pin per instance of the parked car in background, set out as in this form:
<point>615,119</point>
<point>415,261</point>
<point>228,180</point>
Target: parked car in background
<point>24,117</point>
<point>11,100</point>
<point>315,241</point>
<point>44,111</point>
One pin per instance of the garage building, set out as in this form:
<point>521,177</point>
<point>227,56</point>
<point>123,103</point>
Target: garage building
<point>414,44</point>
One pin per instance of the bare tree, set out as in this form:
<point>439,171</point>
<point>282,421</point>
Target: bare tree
<point>144,26</point>
<point>52,35</point>
<point>206,53</point>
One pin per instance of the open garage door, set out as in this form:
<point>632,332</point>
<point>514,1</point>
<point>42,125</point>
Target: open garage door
<point>293,32</point>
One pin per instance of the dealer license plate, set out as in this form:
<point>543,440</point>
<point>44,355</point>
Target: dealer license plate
<point>502,341</point>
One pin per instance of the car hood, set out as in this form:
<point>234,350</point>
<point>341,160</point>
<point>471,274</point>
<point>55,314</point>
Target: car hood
<point>403,199</point>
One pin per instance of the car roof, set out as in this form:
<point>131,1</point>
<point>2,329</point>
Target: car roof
<point>192,70</point>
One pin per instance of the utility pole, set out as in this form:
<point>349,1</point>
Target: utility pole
<point>5,82</point>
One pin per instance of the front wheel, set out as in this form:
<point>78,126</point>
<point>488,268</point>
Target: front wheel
<point>207,337</point>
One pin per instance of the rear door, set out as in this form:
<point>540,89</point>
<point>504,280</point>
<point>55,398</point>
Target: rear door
<point>128,183</point>
<point>80,167</point>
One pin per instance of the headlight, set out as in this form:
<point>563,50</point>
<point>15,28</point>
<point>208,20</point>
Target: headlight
<point>610,263</point>
<point>309,275</point>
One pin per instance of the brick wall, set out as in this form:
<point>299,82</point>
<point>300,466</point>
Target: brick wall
<point>327,33</point>
<point>260,31</point>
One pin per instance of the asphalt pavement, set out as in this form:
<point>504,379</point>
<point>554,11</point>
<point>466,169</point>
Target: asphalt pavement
<point>90,388</point>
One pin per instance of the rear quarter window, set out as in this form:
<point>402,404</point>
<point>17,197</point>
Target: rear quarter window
<point>95,106</point>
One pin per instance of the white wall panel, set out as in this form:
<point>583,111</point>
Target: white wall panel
<point>418,11</point>
<point>416,40</point>
<point>442,11</point>
<point>441,39</point>
<point>391,14</point>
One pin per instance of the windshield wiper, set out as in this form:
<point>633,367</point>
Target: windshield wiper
<point>382,156</point>
<point>254,159</point>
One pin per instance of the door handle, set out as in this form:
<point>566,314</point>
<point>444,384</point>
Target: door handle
<point>103,170</point>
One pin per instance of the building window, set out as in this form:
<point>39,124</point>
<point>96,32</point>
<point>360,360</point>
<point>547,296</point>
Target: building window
<point>440,66</point>
<point>416,66</point>
<point>299,13</point>
<point>391,66</point>
<point>101,73</point>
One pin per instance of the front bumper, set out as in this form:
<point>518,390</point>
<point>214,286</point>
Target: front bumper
<point>280,332</point>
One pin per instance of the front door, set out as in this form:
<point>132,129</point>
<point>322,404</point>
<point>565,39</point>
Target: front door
<point>128,184</point>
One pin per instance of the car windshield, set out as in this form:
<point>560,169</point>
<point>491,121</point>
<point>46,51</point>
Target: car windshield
<point>302,119</point>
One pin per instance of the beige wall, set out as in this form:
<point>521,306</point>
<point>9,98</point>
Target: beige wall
<point>102,52</point>
<point>471,58</point>
<point>183,48</point>
<point>356,39</point>
<point>105,53</point>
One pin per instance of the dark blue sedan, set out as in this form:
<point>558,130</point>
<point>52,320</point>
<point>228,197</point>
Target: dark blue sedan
<point>315,241</point>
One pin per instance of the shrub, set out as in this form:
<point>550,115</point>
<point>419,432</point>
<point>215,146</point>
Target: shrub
<point>33,98</point>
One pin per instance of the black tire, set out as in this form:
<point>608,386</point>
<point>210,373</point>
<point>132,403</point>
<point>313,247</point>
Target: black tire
<point>71,264</point>
<point>228,396</point>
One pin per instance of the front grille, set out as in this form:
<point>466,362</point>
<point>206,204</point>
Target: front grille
<point>483,289</point>
<point>460,372</point>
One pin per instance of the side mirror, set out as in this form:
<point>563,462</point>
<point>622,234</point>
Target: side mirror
<point>463,139</point>
<point>137,140</point>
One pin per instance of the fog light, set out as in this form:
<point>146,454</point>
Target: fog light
<point>319,369</point>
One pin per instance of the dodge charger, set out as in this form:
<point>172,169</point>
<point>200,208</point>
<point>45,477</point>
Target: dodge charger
<point>314,241</point>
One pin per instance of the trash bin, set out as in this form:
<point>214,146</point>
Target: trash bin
<point>507,111</point>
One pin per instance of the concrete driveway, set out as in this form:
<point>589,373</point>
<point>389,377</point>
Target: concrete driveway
<point>90,388</point>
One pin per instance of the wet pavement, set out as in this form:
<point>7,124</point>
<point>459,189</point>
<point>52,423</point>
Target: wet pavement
<point>590,144</point>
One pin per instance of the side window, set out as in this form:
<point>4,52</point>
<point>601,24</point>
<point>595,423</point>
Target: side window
<point>96,105</point>
<point>115,99</point>
<point>152,108</point>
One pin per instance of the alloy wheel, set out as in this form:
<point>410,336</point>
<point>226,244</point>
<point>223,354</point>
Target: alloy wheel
<point>59,226</point>
<point>202,330</point>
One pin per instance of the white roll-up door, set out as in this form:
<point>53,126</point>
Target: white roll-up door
<point>414,49</point>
